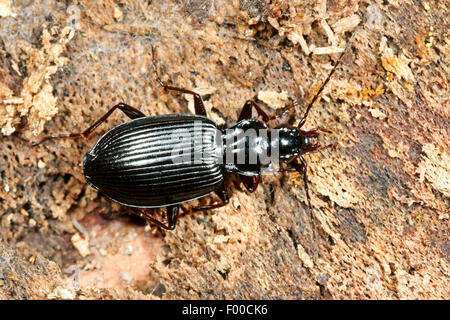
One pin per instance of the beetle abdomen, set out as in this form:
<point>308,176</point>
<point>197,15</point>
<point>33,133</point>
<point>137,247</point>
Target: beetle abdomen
<point>154,162</point>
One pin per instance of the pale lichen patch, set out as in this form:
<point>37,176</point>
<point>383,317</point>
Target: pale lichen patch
<point>397,64</point>
<point>273,99</point>
<point>36,100</point>
<point>5,9</point>
<point>435,168</point>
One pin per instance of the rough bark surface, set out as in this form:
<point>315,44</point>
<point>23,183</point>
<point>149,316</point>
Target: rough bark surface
<point>380,198</point>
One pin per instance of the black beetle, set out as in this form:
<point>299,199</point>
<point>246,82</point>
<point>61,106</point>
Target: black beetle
<point>137,163</point>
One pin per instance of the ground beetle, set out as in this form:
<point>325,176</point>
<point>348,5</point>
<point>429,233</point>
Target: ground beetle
<point>134,163</point>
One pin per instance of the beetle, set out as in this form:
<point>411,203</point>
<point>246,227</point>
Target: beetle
<point>135,165</point>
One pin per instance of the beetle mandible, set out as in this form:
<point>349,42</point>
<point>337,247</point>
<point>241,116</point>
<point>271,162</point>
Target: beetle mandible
<point>135,163</point>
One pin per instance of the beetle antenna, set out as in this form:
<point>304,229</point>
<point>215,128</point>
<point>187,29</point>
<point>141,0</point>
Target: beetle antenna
<point>317,95</point>
<point>311,214</point>
<point>302,168</point>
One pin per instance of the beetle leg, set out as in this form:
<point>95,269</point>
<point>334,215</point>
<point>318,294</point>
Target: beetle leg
<point>314,132</point>
<point>279,113</point>
<point>223,195</point>
<point>198,102</point>
<point>250,183</point>
<point>131,112</point>
<point>302,168</point>
<point>172,217</point>
<point>246,112</point>
<point>280,170</point>
<point>317,148</point>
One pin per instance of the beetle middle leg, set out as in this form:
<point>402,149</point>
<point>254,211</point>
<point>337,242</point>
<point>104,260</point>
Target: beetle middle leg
<point>198,102</point>
<point>223,195</point>
<point>246,112</point>
<point>250,183</point>
<point>131,112</point>
<point>172,217</point>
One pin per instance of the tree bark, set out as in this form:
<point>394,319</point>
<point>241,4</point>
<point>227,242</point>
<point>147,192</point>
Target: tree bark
<point>380,198</point>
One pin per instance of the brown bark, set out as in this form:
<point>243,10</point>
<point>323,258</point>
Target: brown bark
<point>380,198</point>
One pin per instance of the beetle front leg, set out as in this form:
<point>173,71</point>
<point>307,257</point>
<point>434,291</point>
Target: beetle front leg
<point>131,112</point>
<point>314,132</point>
<point>198,102</point>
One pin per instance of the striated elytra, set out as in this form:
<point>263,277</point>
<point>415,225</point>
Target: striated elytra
<point>140,164</point>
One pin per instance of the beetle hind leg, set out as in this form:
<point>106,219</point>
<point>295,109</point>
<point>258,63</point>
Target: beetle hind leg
<point>131,112</point>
